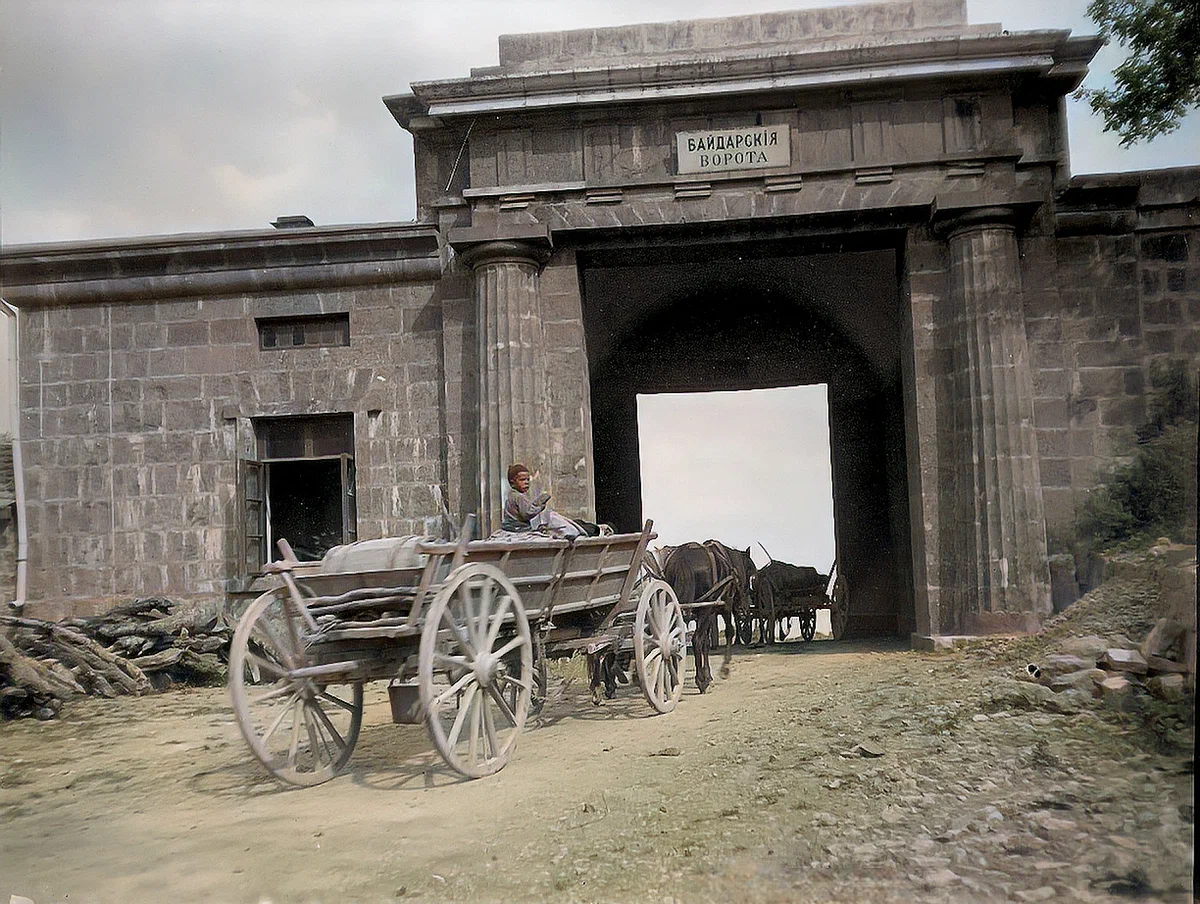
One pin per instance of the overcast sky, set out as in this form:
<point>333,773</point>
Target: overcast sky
<point>133,117</point>
<point>129,117</point>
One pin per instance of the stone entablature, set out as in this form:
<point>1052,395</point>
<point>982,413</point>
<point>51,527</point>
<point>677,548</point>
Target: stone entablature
<point>218,263</point>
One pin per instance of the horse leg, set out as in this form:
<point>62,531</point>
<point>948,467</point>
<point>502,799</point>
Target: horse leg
<point>609,665</point>
<point>594,664</point>
<point>725,664</point>
<point>700,644</point>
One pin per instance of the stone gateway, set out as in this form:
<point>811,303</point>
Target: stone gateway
<point>875,197</point>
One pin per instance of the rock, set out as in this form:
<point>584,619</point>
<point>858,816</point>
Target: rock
<point>667,751</point>
<point>1118,660</point>
<point>1166,687</point>
<point>942,878</point>
<point>1064,663</point>
<point>1162,637</point>
<point>1159,664</point>
<point>1051,826</point>
<point>1088,647</point>
<point>19,899</point>
<point>1083,680</point>
<point>863,750</point>
<point>892,815</point>
<point>1115,688</point>
<point>1008,694</point>
<point>980,717</point>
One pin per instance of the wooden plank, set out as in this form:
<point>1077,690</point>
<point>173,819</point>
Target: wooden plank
<point>631,577</point>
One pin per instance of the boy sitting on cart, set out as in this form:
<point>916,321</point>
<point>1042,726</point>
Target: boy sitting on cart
<point>524,513</point>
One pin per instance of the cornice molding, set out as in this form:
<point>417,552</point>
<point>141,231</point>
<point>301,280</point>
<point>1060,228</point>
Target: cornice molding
<point>217,263</point>
<point>1053,54</point>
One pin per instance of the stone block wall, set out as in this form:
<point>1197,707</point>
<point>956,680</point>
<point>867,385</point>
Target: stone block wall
<point>131,429</point>
<point>1124,302</point>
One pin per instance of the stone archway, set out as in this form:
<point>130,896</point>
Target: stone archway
<point>751,316</point>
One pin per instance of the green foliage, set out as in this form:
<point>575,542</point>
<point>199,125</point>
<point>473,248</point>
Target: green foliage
<point>1159,81</point>
<point>1173,400</point>
<point>1155,494</point>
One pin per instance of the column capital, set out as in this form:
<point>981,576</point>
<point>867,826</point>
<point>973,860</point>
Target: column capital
<point>522,245</point>
<point>953,213</point>
<point>952,223</point>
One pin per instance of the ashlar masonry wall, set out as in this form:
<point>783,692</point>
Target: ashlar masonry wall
<point>136,410</point>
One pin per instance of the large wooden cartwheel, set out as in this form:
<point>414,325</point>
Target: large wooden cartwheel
<point>302,729</point>
<point>476,651</point>
<point>660,645</point>
<point>839,612</point>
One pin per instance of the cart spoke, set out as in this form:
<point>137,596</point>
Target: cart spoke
<point>271,642</point>
<point>337,701</point>
<point>324,720</point>
<point>497,621</point>
<point>653,656</point>
<point>662,684</point>
<point>651,627</point>
<point>454,688</point>
<point>473,743</point>
<point>490,728</point>
<point>278,720</point>
<point>272,694</point>
<point>464,710</point>
<point>457,662</point>
<point>502,704</point>
<point>509,647</point>
<point>313,745</point>
<point>297,707</point>
<point>509,679</point>
<point>463,640</point>
<point>487,596</point>
<point>266,665</point>
<point>662,617</point>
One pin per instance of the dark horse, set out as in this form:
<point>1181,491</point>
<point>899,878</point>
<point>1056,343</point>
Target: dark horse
<point>693,570</point>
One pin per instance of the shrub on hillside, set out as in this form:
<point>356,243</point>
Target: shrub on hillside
<point>1155,494</point>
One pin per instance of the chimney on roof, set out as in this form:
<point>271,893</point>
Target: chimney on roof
<point>293,222</point>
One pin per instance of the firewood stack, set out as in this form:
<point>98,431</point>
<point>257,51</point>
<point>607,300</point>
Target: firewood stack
<point>129,650</point>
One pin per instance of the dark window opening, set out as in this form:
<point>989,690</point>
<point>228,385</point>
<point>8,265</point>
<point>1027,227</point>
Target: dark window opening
<point>317,331</point>
<point>306,504</point>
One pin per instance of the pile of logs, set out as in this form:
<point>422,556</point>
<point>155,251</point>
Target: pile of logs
<point>128,650</point>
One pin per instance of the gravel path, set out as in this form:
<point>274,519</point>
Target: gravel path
<point>817,772</point>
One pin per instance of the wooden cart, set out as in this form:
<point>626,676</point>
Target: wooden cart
<point>798,593</point>
<point>472,622</point>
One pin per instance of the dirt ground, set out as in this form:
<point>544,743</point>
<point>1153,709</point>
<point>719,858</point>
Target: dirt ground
<point>752,792</point>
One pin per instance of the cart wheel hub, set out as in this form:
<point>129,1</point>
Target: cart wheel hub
<point>485,669</point>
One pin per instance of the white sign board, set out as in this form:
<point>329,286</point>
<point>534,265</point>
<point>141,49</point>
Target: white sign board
<point>721,150</point>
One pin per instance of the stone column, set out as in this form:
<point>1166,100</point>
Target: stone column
<point>512,418</point>
<point>998,565</point>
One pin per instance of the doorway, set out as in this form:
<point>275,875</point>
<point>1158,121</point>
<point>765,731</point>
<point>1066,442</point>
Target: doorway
<point>731,316</point>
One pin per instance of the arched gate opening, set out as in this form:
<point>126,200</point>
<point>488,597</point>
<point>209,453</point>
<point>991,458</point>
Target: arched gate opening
<point>755,315</point>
